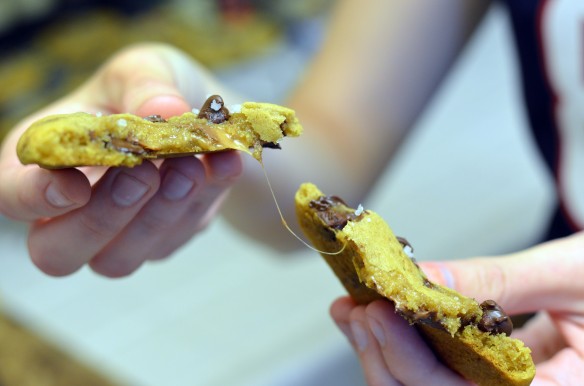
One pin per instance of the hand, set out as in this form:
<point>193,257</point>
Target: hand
<point>546,279</point>
<point>115,219</point>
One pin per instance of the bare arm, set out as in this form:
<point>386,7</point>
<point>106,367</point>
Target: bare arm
<point>378,67</point>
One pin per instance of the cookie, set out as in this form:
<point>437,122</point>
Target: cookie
<point>82,139</point>
<point>471,338</point>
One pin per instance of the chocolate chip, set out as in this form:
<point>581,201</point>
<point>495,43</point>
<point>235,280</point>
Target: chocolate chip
<point>271,145</point>
<point>404,242</point>
<point>214,110</point>
<point>421,316</point>
<point>155,118</point>
<point>326,202</point>
<point>333,211</point>
<point>494,319</point>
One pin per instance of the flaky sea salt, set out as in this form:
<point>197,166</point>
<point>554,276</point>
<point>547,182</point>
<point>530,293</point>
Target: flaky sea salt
<point>215,106</point>
<point>122,122</point>
<point>99,114</point>
<point>196,111</point>
<point>359,210</point>
<point>408,250</point>
<point>235,108</point>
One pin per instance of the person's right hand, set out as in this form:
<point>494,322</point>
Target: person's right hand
<point>546,279</point>
<point>115,219</point>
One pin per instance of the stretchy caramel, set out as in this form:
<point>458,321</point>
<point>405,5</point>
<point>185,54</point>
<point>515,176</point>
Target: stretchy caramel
<point>82,139</point>
<point>372,263</point>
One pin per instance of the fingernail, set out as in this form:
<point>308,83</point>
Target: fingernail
<point>378,331</point>
<point>439,273</point>
<point>176,185</point>
<point>360,335</point>
<point>128,190</point>
<point>56,198</point>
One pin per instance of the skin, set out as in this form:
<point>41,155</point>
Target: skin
<point>113,220</point>
<point>358,87</point>
<point>392,353</point>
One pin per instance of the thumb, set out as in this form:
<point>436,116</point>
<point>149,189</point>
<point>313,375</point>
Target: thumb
<point>545,277</point>
<point>145,80</point>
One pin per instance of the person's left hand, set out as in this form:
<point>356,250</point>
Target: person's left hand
<point>115,219</point>
<point>546,279</point>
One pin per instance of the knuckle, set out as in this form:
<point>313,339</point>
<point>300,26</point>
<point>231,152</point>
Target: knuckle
<point>98,228</point>
<point>155,222</point>
<point>494,281</point>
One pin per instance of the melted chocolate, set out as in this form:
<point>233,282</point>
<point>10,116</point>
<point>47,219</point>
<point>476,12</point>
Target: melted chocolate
<point>214,110</point>
<point>155,118</point>
<point>333,211</point>
<point>127,145</point>
<point>494,319</point>
<point>271,145</point>
<point>421,316</point>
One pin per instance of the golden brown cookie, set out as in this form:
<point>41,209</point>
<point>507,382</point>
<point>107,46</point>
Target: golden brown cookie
<point>82,139</point>
<point>471,338</point>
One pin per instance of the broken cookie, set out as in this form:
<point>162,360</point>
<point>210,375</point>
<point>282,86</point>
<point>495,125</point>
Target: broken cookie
<point>82,139</point>
<point>372,263</point>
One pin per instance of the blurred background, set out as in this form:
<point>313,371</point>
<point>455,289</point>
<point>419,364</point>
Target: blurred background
<point>236,314</point>
<point>50,46</point>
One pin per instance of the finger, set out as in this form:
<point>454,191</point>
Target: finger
<point>340,311</point>
<point>565,368</point>
<point>541,335</point>
<point>64,244</point>
<point>28,192</point>
<point>146,80</point>
<point>166,222</point>
<point>223,170</point>
<point>351,320</point>
<point>31,193</point>
<point>544,277</point>
<point>406,355</point>
<point>147,235</point>
<point>372,360</point>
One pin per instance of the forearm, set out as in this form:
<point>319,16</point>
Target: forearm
<point>378,68</point>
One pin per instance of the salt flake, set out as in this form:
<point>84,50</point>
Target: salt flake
<point>215,106</point>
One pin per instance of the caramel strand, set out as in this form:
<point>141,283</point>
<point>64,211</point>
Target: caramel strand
<point>286,224</point>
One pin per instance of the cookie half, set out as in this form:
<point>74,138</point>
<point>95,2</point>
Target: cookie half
<point>470,338</point>
<point>82,139</point>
